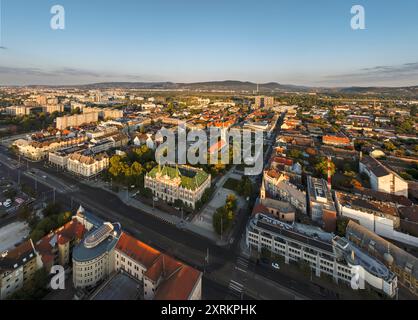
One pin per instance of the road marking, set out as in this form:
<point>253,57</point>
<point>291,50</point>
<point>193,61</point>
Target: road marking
<point>232,282</point>
<point>242,270</point>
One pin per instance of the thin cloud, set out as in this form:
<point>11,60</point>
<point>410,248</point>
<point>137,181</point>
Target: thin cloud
<point>406,73</point>
<point>66,74</point>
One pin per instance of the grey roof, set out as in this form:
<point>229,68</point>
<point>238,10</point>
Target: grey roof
<point>356,256</point>
<point>81,253</point>
<point>293,232</point>
<point>367,238</point>
<point>120,287</point>
<point>378,169</point>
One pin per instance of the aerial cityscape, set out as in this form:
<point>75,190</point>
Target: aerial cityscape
<point>132,169</point>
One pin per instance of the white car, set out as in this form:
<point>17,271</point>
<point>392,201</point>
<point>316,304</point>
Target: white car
<point>275,266</point>
<point>7,204</point>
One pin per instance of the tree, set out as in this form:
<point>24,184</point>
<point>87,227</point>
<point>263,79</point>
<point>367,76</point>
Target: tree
<point>24,213</point>
<point>10,193</point>
<point>63,218</point>
<point>296,154</point>
<point>52,209</point>
<point>36,289</point>
<point>321,167</point>
<point>342,223</point>
<point>388,145</point>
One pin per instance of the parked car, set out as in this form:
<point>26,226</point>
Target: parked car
<point>7,203</point>
<point>275,265</point>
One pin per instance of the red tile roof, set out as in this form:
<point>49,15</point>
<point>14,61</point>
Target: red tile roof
<point>70,231</point>
<point>335,140</point>
<point>179,286</point>
<point>177,279</point>
<point>137,250</point>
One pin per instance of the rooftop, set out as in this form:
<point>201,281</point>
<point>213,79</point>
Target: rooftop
<point>190,178</point>
<point>87,250</point>
<point>119,287</point>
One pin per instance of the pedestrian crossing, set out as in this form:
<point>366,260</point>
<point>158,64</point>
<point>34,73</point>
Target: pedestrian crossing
<point>236,288</point>
<point>242,264</point>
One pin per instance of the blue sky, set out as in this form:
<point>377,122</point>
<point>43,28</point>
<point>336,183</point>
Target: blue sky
<point>305,42</point>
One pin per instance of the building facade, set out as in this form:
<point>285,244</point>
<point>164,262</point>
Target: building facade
<point>183,183</point>
<point>324,253</point>
<point>87,165</point>
<point>381,178</point>
<point>76,120</point>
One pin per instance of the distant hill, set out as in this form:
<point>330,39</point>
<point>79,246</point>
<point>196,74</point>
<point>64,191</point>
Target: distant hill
<point>227,85</point>
<point>250,87</point>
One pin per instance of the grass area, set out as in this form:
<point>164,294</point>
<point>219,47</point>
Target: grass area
<point>232,184</point>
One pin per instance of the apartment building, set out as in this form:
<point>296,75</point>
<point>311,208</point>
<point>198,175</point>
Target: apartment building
<point>264,102</point>
<point>162,277</point>
<point>183,183</point>
<point>50,108</point>
<point>337,141</point>
<point>382,178</point>
<point>276,185</point>
<point>38,150</point>
<point>17,267</point>
<point>107,250</point>
<point>59,158</point>
<point>76,120</point>
<point>93,258</point>
<point>86,164</point>
<point>325,254</point>
<point>402,263</point>
<point>379,217</point>
<point>19,110</point>
<point>56,247</point>
<point>105,113</point>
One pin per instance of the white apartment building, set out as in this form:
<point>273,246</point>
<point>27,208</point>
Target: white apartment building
<point>106,250</point>
<point>325,254</point>
<point>19,110</point>
<point>86,165</point>
<point>381,178</point>
<point>76,120</point>
<point>105,113</point>
<point>93,258</point>
<point>381,218</point>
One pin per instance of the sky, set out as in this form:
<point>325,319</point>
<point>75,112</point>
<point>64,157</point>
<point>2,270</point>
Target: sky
<point>301,42</point>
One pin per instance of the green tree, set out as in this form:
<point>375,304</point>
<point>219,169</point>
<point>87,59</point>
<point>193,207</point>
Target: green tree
<point>321,167</point>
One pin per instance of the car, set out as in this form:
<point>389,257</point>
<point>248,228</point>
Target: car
<point>44,177</point>
<point>275,265</point>
<point>7,203</point>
